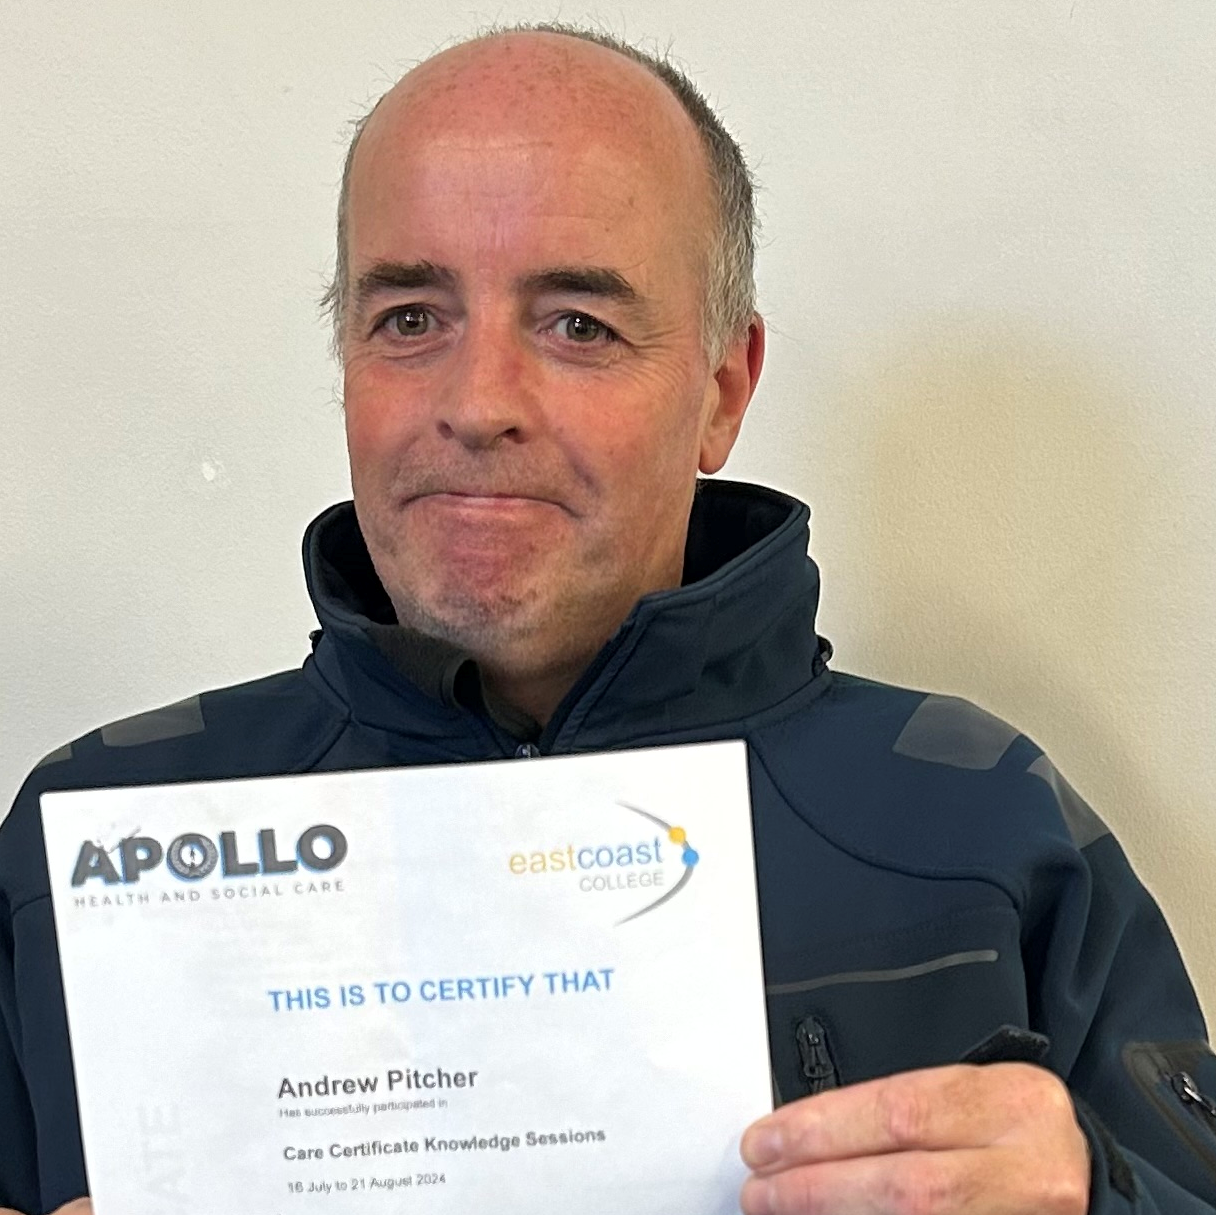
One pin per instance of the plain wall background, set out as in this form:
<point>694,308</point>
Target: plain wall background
<point>989,271</point>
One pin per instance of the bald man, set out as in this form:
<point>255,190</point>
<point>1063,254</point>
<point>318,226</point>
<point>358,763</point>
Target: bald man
<point>545,313</point>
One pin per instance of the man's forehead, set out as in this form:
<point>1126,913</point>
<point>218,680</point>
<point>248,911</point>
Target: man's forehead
<point>516,205</point>
<point>576,141</point>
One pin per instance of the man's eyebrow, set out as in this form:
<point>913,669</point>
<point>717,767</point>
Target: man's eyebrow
<point>582,280</point>
<point>400,276</point>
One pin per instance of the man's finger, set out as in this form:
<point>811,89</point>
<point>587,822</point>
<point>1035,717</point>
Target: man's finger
<point>976,1181</point>
<point>932,1110</point>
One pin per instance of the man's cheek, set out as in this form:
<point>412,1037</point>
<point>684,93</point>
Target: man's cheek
<point>371,434</point>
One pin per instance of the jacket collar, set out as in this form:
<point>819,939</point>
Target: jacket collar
<point>736,639</point>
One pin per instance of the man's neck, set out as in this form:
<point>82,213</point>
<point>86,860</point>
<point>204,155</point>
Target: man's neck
<point>536,694</point>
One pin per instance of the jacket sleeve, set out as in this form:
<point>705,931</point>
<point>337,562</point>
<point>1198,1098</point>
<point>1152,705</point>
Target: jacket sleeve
<point>1110,990</point>
<point>18,1159</point>
<point>41,1158</point>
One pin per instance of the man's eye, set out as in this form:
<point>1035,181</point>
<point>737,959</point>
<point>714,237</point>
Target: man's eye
<point>578,327</point>
<point>409,322</point>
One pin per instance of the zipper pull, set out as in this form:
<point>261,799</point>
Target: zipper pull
<point>818,1067</point>
<point>1189,1093</point>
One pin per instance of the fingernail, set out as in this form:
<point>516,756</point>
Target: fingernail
<point>756,1197</point>
<point>761,1145</point>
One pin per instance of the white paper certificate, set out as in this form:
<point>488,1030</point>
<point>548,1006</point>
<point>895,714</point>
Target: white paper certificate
<point>526,986</point>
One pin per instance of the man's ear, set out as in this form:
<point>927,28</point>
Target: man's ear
<point>734,382</point>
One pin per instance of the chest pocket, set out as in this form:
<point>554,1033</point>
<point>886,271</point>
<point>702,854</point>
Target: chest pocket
<point>919,997</point>
<point>1177,1080</point>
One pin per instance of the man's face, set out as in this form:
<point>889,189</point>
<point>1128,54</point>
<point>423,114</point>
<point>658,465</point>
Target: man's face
<point>528,399</point>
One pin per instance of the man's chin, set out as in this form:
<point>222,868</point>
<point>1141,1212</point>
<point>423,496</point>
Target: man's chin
<point>487,626</point>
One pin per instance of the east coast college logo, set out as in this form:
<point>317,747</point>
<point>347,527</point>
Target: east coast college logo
<point>622,865</point>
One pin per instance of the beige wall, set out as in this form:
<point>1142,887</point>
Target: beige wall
<point>989,267</point>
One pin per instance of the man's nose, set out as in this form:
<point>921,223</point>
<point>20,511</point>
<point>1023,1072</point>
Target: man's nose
<point>488,397</point>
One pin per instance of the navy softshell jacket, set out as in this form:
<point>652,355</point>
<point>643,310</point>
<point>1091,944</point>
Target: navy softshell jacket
<point>926,876</point>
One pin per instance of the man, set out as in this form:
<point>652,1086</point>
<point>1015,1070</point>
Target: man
<point>543,304</point>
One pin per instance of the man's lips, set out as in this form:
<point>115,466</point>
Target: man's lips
<point>488,501</point>
<point>482,498</point>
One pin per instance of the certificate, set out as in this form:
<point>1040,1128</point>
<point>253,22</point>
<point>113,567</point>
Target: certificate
<point>524,986</point>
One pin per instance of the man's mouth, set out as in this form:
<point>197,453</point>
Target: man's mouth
<point>486,500</point>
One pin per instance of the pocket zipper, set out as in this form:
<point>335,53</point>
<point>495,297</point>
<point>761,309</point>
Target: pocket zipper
<point>1159,1070</point>
<point>815,1056</point>
<point>1190,1095</point>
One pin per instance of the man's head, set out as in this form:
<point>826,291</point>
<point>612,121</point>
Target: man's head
<point>534,370</point>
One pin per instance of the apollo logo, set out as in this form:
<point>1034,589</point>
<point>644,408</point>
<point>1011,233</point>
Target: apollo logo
<point>192,856</point>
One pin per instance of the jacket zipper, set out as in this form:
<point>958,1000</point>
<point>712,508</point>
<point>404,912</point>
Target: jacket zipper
<point>815,1056</point>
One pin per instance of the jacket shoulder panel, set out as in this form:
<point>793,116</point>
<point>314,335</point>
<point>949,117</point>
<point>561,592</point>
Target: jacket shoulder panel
<point>924,784</point>
<point>277,724</point>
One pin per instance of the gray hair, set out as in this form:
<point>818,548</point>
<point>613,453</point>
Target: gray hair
<point>730,285</point>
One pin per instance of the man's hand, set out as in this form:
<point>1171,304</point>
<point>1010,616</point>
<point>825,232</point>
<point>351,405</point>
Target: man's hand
<point>82,1206</point>
<point>1002,1139</point>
